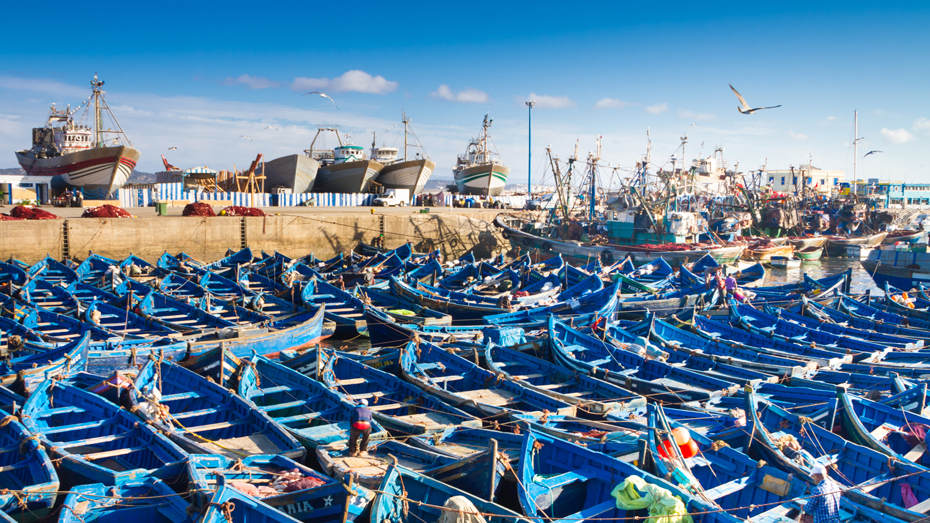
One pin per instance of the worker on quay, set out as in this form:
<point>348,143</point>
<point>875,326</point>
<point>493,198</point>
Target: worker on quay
<point>824,503</point>
<point>360,422</point>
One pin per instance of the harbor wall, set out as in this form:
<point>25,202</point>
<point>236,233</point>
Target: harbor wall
<point>208,238</point>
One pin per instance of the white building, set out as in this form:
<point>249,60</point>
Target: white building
<point>19,187</point>
<point>793,181</point>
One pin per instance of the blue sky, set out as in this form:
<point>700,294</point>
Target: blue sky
<point>197,77</point>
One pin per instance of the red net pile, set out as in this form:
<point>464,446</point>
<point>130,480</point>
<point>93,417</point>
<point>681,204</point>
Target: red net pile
<point>105,211</point>
<point>236,210</point>
<point>198,209</point>
<point>31,213</point>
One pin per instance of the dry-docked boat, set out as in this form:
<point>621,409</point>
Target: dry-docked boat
<point>673,253</point>
<point>903,236</point>
<point>404,173</point>
<point>836,245</point>
<point>295,172</point>
<point>343,169</point>
<point>476,171</point>
<point>92,158</point>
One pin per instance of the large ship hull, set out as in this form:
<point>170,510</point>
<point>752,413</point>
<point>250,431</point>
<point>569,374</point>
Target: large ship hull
<point>103,169</point>
<point>348,177</point>
<point>487,179</point>
<point>296,172</point>
<point>411,175</point>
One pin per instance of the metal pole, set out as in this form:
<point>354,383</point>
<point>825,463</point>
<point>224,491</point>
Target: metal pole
<point>529,159</point>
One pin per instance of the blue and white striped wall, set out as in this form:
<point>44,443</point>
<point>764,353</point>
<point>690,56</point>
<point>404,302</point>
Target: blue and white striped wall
<point>175,191</point>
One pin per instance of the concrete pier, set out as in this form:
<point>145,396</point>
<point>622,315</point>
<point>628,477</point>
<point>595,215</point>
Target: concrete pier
<point>309,230</point>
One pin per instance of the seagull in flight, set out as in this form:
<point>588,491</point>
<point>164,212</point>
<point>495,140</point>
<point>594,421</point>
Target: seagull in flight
<point>273,128</point>
<point>324,95</point>
<point>244,136</point>
<point>172,148</point>
<point>745,109</point>
<point>872,152</point>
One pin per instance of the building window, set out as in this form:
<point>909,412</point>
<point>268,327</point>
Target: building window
<point>783,180</point>
<point>795,181</point>
<point>772,180</point>
<point>836,181</point>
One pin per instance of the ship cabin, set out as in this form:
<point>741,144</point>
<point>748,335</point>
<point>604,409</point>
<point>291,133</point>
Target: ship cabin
<point>349,153</point>
<point>384,155</point>
<point>71,139</point>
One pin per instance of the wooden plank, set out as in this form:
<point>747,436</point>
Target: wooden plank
<point>443,379</point>
<point>916,452</point>
<point>921,508</point>
<point>352,381</point>
<point>112,453</point>
<point>528,376</point>
<point>882,431</point>
<point>214,426</point>
<point>385,406</point>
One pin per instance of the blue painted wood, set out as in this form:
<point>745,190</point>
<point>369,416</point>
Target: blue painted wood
<point>94,440</point>
<point>323,504</point>
<point>204,417</point>
<point>27,469</point>
<point>146,500</point>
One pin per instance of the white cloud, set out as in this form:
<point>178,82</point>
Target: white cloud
<point>797,136</point>
<point>252,82</point>
<point>467,95</point>
<point>922,124</point>
<point>684,113</point>
<point>831,118</point>
<point>45,86</point>
<point>657,109</point>
<point>544,101</point>
<point>351,81</point>
<point>611,103</point>
<point>897,135</point>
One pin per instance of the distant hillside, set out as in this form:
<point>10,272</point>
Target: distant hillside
<point>141,177</point>
<point>13,170</point>
<point>437,184</point>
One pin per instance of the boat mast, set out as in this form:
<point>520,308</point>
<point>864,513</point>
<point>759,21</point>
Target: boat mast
<point>406,121</point>
<point>98,120</point>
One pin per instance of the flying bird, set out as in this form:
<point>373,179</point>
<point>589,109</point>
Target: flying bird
<point>324,95</point>
<point>244,136</point>
<point>872,152</point>
<point>172,148</point>
<point>745,109</point>
<point>270,127</point>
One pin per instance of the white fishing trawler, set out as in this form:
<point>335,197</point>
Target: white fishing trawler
<point>403,173</point>
<point>343,169</point>
<point>479,171</point>
<point>81,154</point>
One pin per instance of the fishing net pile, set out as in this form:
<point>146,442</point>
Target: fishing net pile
<point>286,481</point>
<point>236,210</point>
<point>31,213</point>
<point>198,209</point>
<point>105,211</point>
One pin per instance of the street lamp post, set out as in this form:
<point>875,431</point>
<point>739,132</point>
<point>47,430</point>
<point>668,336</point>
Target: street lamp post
<point>529,159</point>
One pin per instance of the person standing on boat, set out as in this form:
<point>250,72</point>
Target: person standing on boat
<point>824,503</point>
<point>360,420</point>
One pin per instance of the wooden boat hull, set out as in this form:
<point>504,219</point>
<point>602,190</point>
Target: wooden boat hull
<point>764,255</point>
<point>801,242</point>
<point>411,175</point>
<point>836,245</point>
<point>809,253</point>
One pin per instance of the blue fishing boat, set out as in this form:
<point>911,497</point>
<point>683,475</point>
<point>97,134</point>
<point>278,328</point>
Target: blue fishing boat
<point>397,405</point>
<point>228,504</point>
<point>341,307</point>
<point>843,330</point>
<point>51,326</point>
<point>592,397</point>
<point>124,322</point>
<point>830,312</point>
<point>399,310</point>
<point>12,274</point>
<point>305,407</point>
<point>648,377</point>
<point>861,310</point>
<point>146,499</point>
<point>565,483</point>
<point>368,468</point>
<point>42,294</point>
<point>432,497</point>
<point>98,271</point>
<point>583,310</point>
<point>461,383</point>
<point>30,483</point>
<point>719,473</point>
<point>796,443</point>
<point>52,270</point>
<point>882,428</point>
<point>92,439</point>
<point>326,501</point>
<point>204,417</point>
<point>24,372</point>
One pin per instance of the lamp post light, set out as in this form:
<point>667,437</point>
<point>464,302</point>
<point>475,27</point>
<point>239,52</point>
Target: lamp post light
<point>529,159</point>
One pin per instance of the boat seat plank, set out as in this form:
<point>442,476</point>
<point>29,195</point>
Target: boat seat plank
<point>351,381</point>
<point>881,431</point>
<point>443,379</point>
<point>916,452</point>
<point>496,397</point>
<point>180,395</point>
<point>921,508</point>
<point>386,406</point>
<point>528,376</point>
<point>376,394</point>
<point>113,453</point>
<point>215,426</point>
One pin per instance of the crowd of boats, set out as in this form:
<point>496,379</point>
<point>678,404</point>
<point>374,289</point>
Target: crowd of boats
<point>502,390</point>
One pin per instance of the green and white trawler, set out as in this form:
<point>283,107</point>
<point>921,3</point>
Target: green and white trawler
<point>479,171</point>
